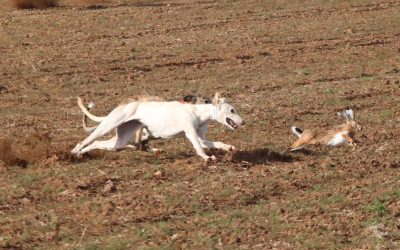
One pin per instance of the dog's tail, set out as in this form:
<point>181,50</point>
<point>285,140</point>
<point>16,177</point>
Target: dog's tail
<point>85,122</point>
<point>87,113</point>
<point>297,131</point>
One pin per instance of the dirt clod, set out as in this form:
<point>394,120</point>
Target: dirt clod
<point>109,187</point>
<point>33,4</point>
<point>159,174</point>
<point>3,89</point>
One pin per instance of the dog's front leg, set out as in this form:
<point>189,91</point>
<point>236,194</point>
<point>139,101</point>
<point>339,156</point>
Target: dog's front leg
<point>217,144</point>
<point>201,132</point>
<point>192,136</point>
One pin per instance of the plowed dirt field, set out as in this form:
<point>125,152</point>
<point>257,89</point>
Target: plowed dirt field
<point>280,63</point>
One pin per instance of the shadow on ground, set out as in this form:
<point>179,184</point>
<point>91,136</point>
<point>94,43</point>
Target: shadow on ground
<point>261,156</point>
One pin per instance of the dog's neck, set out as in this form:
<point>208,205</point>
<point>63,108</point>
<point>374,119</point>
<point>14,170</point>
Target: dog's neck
<point>206,112</point>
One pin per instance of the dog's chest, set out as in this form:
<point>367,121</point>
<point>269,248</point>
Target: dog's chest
<point>166,120</point>
<point>163,128</point>
<point>166,129</point>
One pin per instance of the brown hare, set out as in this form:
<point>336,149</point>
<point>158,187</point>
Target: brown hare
<point>334,137</point>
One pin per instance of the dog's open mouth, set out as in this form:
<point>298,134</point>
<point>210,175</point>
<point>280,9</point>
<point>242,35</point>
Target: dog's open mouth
<point>232,123</point>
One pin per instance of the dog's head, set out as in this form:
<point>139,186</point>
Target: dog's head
<point>196,99</point>
<point>226,114</point>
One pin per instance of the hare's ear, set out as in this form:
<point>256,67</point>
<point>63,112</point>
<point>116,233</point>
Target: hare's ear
<point>343,115</point>
<point>215,100</point>
<point>349,112</point>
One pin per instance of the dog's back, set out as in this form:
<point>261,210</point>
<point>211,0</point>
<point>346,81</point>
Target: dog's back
<point>142,98</point>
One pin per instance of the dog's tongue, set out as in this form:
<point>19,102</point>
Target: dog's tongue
<point>232,123</point>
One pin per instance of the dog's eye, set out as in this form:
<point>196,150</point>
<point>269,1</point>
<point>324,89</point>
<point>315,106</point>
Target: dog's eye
<point>232,111</point>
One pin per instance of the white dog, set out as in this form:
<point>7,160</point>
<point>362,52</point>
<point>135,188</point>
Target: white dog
<point>162,120</point>
<point>137,142</point>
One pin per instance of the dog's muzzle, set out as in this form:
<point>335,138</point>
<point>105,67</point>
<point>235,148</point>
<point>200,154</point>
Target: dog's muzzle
<point>233,124</point>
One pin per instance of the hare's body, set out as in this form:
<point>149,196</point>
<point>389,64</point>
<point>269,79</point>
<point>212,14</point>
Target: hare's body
<point>344,133</point>
<point>334,137</point>
<point>338,139</point>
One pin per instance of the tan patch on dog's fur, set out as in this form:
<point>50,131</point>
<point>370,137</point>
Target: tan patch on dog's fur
<point>142,98</point>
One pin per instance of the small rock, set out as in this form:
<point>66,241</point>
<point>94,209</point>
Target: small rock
<point>25,200</point>
<point>159,174</point>
<point>84,184</point>
<point>3,89</point>
<point>378,231</point>
<point>174,237</point>
<point>109,187</point>
<point>109,208</point>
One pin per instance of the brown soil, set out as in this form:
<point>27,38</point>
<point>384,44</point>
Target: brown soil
<point>33,4</point>
<point>281,63</point>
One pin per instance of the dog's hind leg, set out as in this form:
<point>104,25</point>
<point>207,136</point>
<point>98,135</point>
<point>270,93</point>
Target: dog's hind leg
<point>126,131</point>
<point>138,138</point>
<point>106,145</point>
<point>124,134</point>
<point>113,120</point>
<point>141,141</point>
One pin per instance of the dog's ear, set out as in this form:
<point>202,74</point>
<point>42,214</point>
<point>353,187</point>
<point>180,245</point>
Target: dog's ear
<point>215,100</point>
<point>189,99</point>
<point>222,100</point>
<point>207,100</point>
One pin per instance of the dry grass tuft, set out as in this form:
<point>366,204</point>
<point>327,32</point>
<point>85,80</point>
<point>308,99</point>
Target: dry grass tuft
<point>34,4</point>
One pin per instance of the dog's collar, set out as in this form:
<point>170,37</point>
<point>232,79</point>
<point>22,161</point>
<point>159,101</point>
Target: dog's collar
<point>214,112</point>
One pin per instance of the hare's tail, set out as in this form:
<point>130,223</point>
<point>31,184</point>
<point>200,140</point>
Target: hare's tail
<point>297,131</point>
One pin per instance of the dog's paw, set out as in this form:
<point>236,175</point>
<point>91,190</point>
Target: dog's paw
<point>229,148</point>
<point>75,152</point>
<point>76,149</point>
<point>210,158</point>
<point>157,151</point>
